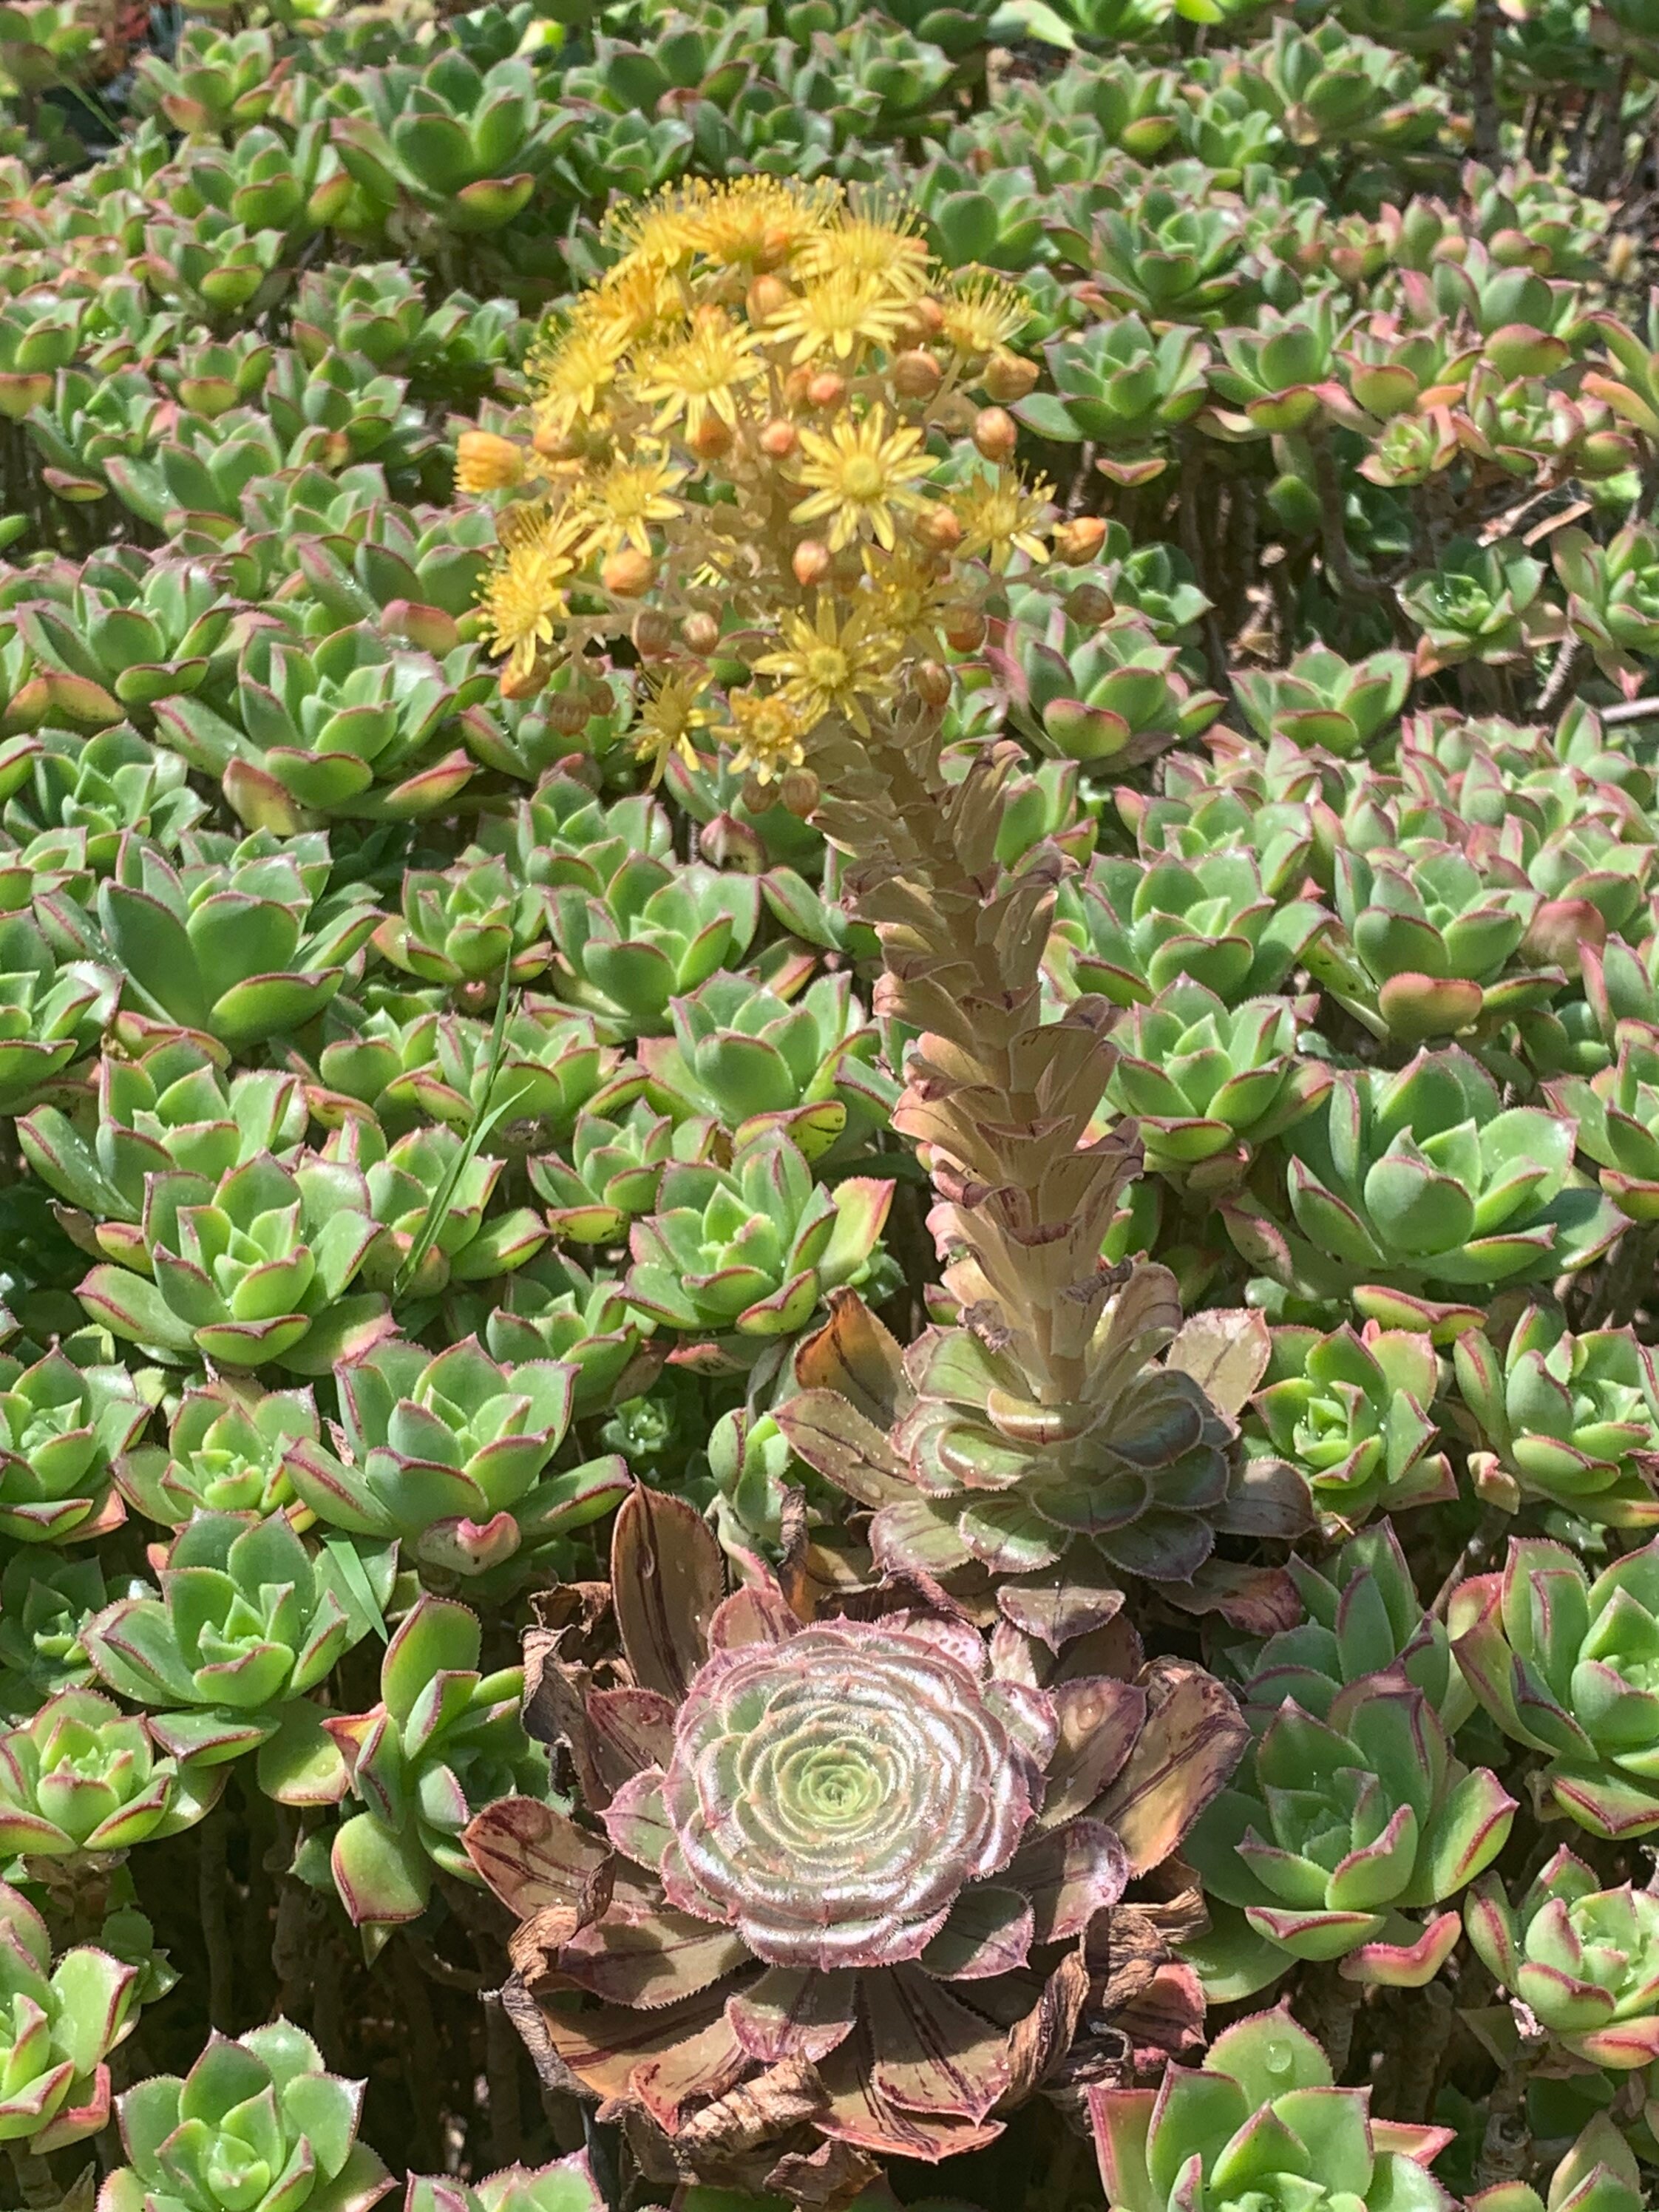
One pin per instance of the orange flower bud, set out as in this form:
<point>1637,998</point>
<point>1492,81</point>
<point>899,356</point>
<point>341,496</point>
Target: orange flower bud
<point>965,630</point>
<point>628,572</point>
<point>1080,539</point>
<point>794,387</point>
<point>928,317</point>
<point>916,374</point>
<point>810,561</point>
<point>779,439</point>
<point>939,528</point>
<point>484,462</point>
<point>996,434</point>
<point>826,388</point>
<point>556,444</point>
<point>713,438</point>
<point>1007,377</point>
<point>931,682</point>
<point>702,633</point>
<point>766,295</point>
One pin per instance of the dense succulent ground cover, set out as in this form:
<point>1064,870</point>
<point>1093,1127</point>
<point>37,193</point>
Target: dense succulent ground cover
<point>829,1106</point>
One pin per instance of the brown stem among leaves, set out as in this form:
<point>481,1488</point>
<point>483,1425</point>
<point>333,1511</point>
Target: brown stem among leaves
<point>1327,2005</point>
<point>1349,582</point>
<point>1483,89</point>
<point>1506,2147</point>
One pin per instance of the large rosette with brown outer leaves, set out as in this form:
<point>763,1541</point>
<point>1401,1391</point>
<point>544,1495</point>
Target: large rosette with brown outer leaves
<point>840,1886</point>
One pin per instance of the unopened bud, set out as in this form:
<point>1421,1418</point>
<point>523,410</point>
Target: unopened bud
<point>1080,539</point>
<point>794,387</point>
<point>996,433</point>
<point>798,788</point>
<point>567,711</point>
<point>711,439</point>
<point>484,462</point>
<point>931,682</point>
<point>1007,378</point>
<point>767,295</point>
<point>652,634</point>
<point>964,631</point>
<point>554,444</point>
<point>826,388</point>
<point>916,374</point>
<point>939,528</point>
<point>928,316</point>
<point>702,634</point>
<point>1089,606</point>
<point>757,798</point>
<point>779,439</point>
<point>524,683</point>
<point>810,561</point>
<point>726,842</point>
<point>628,572</point>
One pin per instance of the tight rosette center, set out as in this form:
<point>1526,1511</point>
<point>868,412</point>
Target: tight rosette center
<point>830,1796</point>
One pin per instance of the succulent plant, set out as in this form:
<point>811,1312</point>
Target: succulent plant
<point>753,1248</point>
<point>1264,2093</point>
<point>1323,700</point>
<point>258,2124</point>
<point>251,1269</point>
<point>743,1055</point>
<point>653,931</point>
<point>443,1741</point>
<point>1362,1616</point>
<point>1344,1827</point>
<point>1406,1187</point>
<point>452,1457</point>
<point>1599,2170</point>
<point>170,1109</point>
<point>62,1427</point>
<point>1561,1662</point>
<point>227,1451</point>
<point>566,2185</point>
<point>1207,1084</point>
<point>46,1600</point>
<point>1617,1109</point>
<point>855,1920</point>
<point>240,954</point>
<point>1424,942</point>
<point>1351,1413</point>
<point>79,1776</point>
<point>1584,1959</point>
<point>1570,1420</point>
<point>430,1194</point>
<point>1137,1476</point>
<point>552,1309</point>
<point>344,726</point>
<point>1138,926</point>
<point>52,1015</point>
<point>58,2024</point>
<point>247,1621</point>
<point>467,924</point>
<point>1478,603</point>
<point>614,1170</point>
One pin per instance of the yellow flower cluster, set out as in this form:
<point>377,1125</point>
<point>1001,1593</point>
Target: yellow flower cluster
<point>768,447</point>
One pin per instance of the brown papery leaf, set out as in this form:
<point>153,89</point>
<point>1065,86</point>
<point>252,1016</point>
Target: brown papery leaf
<point>1195,1736</point>
<point>666,1581</point>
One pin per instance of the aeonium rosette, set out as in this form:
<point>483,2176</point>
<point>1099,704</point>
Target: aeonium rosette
<point>839,1869</point>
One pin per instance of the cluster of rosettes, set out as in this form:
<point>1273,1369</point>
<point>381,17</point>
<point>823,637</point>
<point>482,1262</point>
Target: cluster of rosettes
<point>756,421</point>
